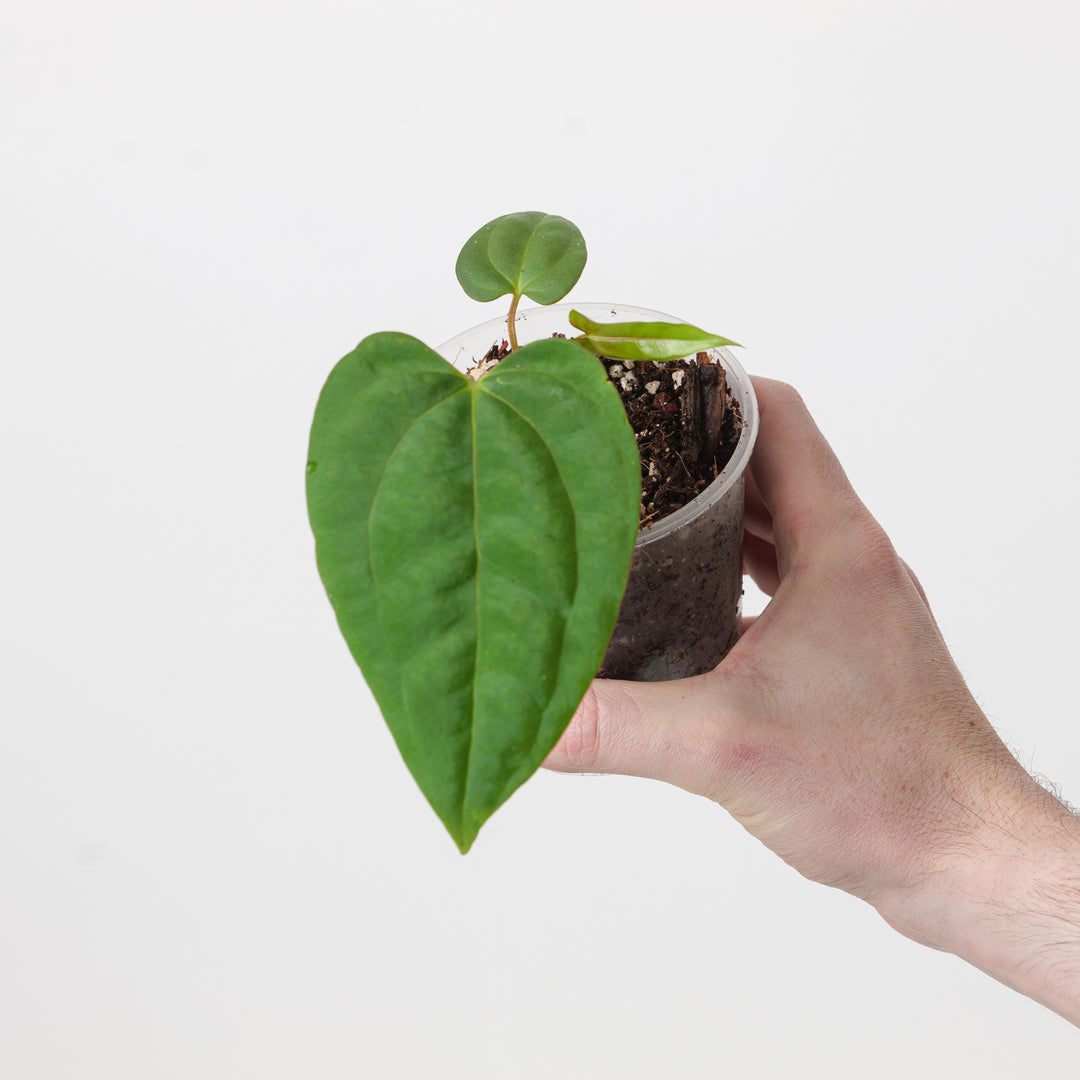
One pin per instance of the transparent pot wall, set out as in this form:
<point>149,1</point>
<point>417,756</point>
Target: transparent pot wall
<point>683,601</point>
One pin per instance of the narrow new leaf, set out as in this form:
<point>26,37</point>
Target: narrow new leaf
<point>474,539</point>
<point>531,254</point>
<point>643,340</point>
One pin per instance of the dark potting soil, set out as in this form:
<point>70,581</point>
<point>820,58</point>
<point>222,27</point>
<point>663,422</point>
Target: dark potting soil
<point>686,422</point>
<point>680,612</point>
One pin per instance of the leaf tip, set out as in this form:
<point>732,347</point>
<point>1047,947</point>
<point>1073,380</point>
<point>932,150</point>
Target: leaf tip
<point>464,838</point>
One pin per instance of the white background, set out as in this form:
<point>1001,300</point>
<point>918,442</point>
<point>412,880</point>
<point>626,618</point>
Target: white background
<point>212,861</point>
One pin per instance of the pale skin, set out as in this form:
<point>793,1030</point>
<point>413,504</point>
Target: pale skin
<point>840,733</point>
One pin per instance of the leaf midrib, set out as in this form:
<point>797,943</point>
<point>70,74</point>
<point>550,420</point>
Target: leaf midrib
<point>476,544</point>
<point>519,288</point>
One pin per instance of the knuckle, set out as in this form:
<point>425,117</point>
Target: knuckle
<point>786,392</point>
<point>869,542</point>
<point>581,742</point>
<point>871,556</point>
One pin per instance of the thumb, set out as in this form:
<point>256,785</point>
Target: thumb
<point>663,731</point>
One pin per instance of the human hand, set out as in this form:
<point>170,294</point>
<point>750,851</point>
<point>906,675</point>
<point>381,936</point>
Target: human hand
<point>841,734</point>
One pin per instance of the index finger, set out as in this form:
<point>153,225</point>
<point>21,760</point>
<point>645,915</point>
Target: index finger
<point>796,474</point>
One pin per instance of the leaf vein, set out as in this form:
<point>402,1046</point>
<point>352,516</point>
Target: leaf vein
<point>372,576</point>
<point>570,502</point>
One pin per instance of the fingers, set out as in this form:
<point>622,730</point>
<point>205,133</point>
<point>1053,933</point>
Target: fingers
<point>609,732</point>
<point>656,730</point>
<point>756,517</point>
<point>796,477</point>
<point>759,561</point>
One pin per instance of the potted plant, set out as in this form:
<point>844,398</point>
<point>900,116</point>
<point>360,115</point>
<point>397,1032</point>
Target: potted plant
<point>475,525</point>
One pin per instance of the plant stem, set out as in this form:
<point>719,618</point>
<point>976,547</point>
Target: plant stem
<point>511,328</point>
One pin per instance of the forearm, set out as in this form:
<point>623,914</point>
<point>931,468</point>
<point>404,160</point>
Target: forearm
<point>1008,899</point>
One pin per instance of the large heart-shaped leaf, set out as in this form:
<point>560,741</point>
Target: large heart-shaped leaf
<point>531,254</point>
<point>474,539</point>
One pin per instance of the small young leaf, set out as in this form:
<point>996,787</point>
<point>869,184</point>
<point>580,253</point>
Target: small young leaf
<point>642,340</point>
<point>531,254</point>
<point>474,539</point>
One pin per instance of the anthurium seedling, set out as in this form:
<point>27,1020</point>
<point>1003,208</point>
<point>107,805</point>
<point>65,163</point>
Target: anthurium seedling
<point>541,256</point>
<point>474,535</point>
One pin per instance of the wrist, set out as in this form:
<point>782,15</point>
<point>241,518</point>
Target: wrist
<point>1005,896</point>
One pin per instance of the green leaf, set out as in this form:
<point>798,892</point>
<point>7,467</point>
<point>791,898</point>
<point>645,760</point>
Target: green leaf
<point>474,539</point>
<point>643,340</point>
<point>537,255</point>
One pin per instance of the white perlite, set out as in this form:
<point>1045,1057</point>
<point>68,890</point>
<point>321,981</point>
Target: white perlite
<point>652,387</point>
<point>480,369</point>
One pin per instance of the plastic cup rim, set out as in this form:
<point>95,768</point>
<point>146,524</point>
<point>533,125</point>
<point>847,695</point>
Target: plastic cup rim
<point>738,380</point>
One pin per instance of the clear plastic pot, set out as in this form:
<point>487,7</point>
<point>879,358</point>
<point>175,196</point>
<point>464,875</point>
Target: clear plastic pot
<point>683,602</point>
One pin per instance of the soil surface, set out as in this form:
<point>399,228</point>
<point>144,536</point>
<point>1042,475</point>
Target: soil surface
<point>686,422</point>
